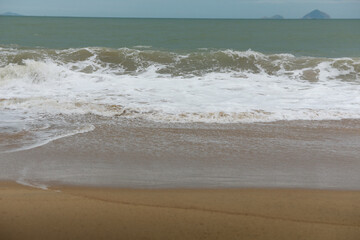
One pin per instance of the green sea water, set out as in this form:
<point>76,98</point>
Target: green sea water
<point>318,38</point>
<point>170,71</point>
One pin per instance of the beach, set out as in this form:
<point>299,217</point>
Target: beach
<point>105,213</point>
<point>115,128</point>
<point>145,183</point>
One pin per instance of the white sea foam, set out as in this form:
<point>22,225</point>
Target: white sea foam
<point>24,181</point>
<point>42,138</point>
<point>291,88</point>
<point>28,183</point>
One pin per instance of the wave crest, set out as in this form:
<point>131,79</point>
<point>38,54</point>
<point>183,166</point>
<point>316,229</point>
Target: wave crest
<point>197,63</point>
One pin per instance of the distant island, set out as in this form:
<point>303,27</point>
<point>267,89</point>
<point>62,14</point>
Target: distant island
<point>316,14</point>
<point>10,14</point>
<point>274,17</point>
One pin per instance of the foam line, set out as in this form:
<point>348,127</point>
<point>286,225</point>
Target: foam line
<point>85,129</point>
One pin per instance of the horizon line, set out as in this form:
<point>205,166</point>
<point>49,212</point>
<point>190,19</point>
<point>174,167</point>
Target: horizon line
<point>190,18</point>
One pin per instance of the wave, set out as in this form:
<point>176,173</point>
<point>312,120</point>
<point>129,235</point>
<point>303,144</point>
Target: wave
<point>196,63</point>
<point>206,85</point>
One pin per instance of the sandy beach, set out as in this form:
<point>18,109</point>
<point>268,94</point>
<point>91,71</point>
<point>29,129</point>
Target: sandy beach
<point>134,180</point>
<point>103,213</point>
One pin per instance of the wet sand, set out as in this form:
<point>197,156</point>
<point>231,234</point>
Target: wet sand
<point>104,213</point>
<point>138,154</point>
<point>141,180</point>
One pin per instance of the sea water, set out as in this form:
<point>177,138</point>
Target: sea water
<point>172,70</point>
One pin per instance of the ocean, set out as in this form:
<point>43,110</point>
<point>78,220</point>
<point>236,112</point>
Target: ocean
<point>62,76</point>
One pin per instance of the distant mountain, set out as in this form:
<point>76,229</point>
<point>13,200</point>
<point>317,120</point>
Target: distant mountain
<point>277,17</point>
<point>316,14</point>
<point>274,17</point>
<point>10,14</point>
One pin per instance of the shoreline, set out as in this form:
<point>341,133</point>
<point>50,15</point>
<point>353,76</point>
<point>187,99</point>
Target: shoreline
<point>95,213</point>
<point>141,180</point>
<point>53,186</point>
<point>139,154</point>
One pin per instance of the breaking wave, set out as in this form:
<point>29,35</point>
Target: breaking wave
<point>206,85</point>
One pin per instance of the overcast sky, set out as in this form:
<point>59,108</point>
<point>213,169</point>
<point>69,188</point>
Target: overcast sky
<point>182,8</point>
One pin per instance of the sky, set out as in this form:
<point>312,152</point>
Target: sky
<point>181,8</point>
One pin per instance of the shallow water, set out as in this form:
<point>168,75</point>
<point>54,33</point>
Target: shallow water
<point>141,154</point>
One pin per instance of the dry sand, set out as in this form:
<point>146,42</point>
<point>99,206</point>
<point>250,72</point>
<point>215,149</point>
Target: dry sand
<point>101,213</point>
